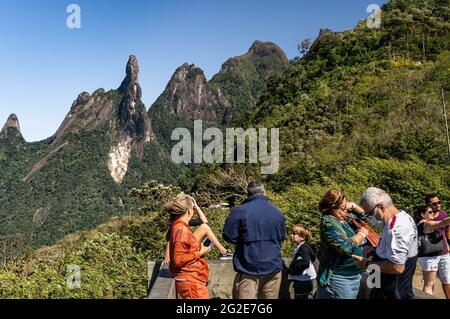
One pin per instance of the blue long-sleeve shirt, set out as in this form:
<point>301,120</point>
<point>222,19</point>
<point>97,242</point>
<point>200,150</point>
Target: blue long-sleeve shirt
<point>257,228</point>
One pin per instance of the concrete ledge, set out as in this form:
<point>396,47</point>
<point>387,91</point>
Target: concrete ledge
<point>221,278</point>
<point>163,286</point>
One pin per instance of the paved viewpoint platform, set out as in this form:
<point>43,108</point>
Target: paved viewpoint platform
<point>221,276</point>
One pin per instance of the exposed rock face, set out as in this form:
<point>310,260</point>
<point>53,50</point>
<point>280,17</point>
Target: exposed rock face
<point>133,117</point>
<point>225,99</point>
<point>124,114</point>
<point>118,159</point>
<point>11,127</point>
<point>189,96</point>
<point>134,123</point>
<point>87,112</point>
<point>93,111</point>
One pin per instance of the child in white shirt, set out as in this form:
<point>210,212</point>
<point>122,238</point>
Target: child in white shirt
<point>301,270</point>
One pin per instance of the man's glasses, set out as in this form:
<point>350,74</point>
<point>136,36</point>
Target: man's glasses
<point>436,203</point>
<point>371,212</point>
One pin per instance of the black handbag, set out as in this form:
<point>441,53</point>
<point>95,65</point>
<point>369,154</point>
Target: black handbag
<point>430,245</point>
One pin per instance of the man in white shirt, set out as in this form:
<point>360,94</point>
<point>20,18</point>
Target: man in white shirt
<point>396,254</point>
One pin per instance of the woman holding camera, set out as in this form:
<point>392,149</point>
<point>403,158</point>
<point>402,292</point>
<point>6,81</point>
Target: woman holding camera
<point>187,255</point>
<point>338,276</point>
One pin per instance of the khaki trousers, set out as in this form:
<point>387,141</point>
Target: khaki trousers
<point>256,287</point>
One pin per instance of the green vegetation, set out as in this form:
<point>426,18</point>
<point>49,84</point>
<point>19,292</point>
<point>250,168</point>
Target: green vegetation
<point>243,78</point>
<point>73,190</point>
<point>361,108</point>
<point>112,258</point>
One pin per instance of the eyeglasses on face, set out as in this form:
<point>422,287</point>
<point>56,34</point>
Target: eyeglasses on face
<point>343,206</point>
<point>371,212</point>
<point>436,203</point>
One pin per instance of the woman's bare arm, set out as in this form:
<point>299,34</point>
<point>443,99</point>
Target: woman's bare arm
<point>167,257</point>
<point>200,213</point>
<point>432,225</point>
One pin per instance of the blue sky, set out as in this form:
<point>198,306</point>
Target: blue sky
<point>44,65</point>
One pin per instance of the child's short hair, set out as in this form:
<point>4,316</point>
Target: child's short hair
<point>302,231</point>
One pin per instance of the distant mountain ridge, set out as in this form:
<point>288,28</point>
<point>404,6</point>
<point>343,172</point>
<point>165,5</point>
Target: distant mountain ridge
<point>80,176</point>
<point>109,143</point>
<point>223,100</point>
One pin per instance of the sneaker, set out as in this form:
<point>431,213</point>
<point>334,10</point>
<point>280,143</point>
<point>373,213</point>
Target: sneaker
<point>227,256</point>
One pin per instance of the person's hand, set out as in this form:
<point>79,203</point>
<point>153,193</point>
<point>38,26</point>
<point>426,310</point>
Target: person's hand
<point>364,231</point>
<point>354,207</point>
<point>197,208</point>
<point>360,261</point>
<point>200,213</point>
<point>204,250</point>
<point>166,261</point>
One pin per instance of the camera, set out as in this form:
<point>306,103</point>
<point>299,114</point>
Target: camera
<point>208,243</point>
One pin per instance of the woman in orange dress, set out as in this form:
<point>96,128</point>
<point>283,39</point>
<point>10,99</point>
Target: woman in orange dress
<point>187,255</point>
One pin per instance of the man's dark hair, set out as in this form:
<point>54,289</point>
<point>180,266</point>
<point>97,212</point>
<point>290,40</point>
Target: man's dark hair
<point>255,187</point>
<point>430,196</point>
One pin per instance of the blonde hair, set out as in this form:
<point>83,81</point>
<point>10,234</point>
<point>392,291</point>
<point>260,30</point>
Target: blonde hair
<point>302,231</point>
<point>179,205</point>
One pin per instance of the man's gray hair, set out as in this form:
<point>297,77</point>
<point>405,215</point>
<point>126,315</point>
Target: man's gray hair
<point>374,196</point>
<point>255,187</point>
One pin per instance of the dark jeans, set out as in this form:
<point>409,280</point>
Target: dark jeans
<point>397,286</point>
<point>303,289</point>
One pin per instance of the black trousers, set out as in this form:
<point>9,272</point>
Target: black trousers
<point>397,286</point>
<point>303,289</point>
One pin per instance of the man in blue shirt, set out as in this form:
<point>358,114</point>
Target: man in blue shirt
<point>257,229</point>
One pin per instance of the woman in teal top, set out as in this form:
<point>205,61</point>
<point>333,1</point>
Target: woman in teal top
<point>338,275</point>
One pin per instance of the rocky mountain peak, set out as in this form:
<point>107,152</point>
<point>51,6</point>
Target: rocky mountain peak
<point>132,73</point>
<point>92,111</point>
<point>262,49</point>
<point>11,123</point>
<point>188,95</point>
<point>188,72</point>
<point>135,125</point>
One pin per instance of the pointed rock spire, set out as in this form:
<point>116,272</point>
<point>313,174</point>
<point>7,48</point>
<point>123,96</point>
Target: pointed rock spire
<point>11,127</point>
<point>130,84</point>
<point>133,117</point>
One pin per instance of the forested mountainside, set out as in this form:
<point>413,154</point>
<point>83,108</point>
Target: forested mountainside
<point>359,108</point>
